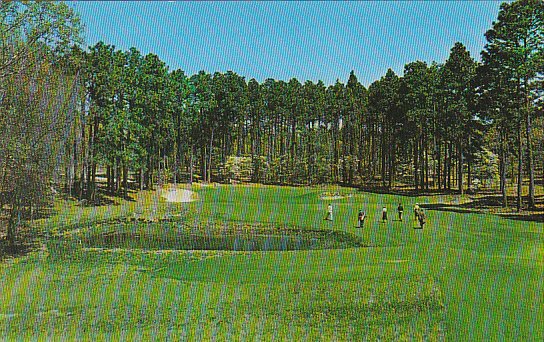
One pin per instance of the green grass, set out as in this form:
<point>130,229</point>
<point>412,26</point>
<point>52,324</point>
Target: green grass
<point>464,277</point>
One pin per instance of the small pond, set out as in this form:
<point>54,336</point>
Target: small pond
<point>261,240</point>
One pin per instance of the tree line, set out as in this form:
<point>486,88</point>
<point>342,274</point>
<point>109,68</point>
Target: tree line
<point>450,125</point>
<point>70,115</point>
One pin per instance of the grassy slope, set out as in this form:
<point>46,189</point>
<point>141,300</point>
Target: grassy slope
<point>467,276</point>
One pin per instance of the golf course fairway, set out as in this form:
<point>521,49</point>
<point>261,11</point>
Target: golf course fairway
<point>464,277</point>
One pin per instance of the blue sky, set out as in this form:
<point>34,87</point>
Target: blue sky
<point>307,40</point>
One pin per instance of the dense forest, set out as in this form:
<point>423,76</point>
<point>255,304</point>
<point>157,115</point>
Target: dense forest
<point>71,118</point>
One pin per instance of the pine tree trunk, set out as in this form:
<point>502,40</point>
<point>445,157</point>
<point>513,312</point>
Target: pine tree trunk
<point>426,158</point>
<point>109,185</point>
<point>392,151</point>
<point>520,167</point>
<point>76,165</point>
<point>115,177</point>
<point>438,165</point>
<point>293,149</point>
<point>416,164</point>
<point>125,179</point>
<point>203,163</point>
<point>450,153</point>
<point>469,174</point>
<point>177,154</point>
<point>83,153</point>
<point>460,167</point>
<point>93,181</point>
<point>469,171</point>
<point>530,167</point>
<point>210,160</point>
<point>89,163</point>
<point>191,165</point>
<point>502,170</point>
<point>93,161</point>
<point>422,161</point>
<point>383,154</point>
<point>141,177</point>
<point>118,176</point>
<point>12,225</point>
<point>67,175</point>
<point>147,173</point>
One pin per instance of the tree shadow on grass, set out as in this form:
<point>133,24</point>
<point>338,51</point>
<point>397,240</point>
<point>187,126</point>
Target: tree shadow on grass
<point>100,200</point>
<point>112,196</point>
<point>19,248</point>
<point>521,217</point>
<point>492,204</point>
<point>43,213</point>
<point>103,198</point>
<point>404,191</point>
<point>25,217</point>
<point>447,207</point>
<point>36,214</point>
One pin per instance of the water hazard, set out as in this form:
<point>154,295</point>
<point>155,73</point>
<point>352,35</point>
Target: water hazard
<point>272,240</point>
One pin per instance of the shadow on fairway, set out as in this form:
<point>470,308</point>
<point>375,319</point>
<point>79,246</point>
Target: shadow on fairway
<point>530,217</point>
<point>404,191</point>
<point>103,198</point>
<point>487,204</point>
<point>447,207</point>
<point>20,248</point>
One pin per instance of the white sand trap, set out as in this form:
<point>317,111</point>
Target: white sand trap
<point>179,195</point>
<point>396,261</point>
<point>334,197</point>
<point>328,198</point>
<point>203,185</point>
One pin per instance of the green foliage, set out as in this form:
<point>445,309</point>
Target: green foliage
<point>486,168</point>
<point>29,27</point>
<point>456,88</point>
<point>37,103</point>
<point>238,169</point>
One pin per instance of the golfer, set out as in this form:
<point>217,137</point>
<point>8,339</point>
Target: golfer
<point>329,213</point>
<point>361,218</point>
<point>422,218</point>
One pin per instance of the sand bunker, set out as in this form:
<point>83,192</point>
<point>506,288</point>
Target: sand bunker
<point>329,196</point>
<point>396,261</point>
<point>332,197</point>
<point>179,195</point>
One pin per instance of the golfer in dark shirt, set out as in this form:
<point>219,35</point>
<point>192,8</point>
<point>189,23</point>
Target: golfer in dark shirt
<point>400,209</point>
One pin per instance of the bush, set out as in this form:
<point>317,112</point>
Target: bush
<point>238,169</point>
